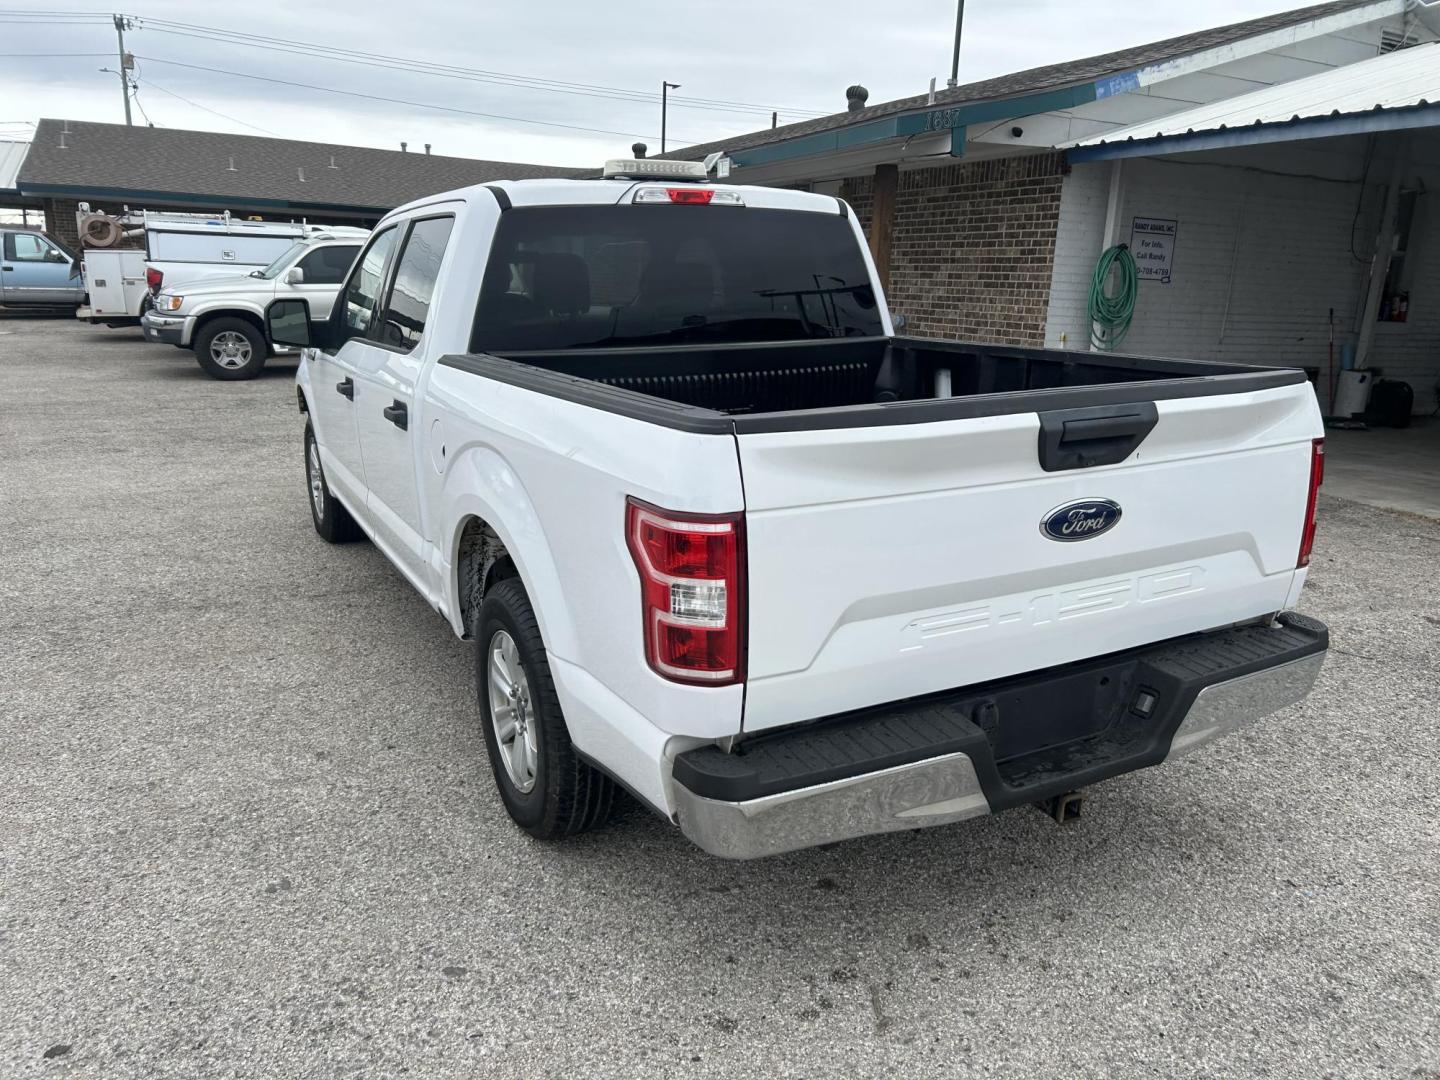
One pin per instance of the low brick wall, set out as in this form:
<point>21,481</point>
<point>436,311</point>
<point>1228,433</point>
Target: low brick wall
<point>973,247</point>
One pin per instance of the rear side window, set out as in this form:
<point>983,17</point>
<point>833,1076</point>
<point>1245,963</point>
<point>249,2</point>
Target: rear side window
<point>328,265</point>
<point>564,277</point>
<point>364,287</point>
<point>415,275</point>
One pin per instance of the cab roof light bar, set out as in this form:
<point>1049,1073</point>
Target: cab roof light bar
<point>655,169</point>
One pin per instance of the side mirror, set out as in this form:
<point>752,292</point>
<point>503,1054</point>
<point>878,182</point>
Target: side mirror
<point>289,324</point>
<point>57,257</point>
<point>294,276</point>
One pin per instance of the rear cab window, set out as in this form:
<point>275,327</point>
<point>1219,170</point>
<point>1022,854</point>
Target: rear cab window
<point>568,277</point>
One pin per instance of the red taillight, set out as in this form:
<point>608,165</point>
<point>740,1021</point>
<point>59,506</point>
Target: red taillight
<point>692,581</point>
<point>153,278</point>
<point>1317,477</point>
<point>690,196</point>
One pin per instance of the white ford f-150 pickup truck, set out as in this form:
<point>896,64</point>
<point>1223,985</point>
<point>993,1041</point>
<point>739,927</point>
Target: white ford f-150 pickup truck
<point>721,537</point>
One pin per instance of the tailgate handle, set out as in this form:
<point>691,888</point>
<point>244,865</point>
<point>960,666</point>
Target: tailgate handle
<point>1084,438</point>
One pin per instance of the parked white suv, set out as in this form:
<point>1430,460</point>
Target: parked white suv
<point>223,319</point>
<point>723,537</point>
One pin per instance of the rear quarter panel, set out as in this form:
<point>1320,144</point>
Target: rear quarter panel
<point>551,477</point>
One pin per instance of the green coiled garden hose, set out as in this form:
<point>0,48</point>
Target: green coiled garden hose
<point>1110,313</point>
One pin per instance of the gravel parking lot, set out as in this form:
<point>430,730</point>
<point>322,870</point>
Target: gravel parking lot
<point>247,828</point>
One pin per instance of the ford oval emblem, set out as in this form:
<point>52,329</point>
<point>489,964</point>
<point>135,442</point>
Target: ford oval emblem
<point>1080,520</point>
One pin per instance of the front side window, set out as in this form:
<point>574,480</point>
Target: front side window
<point>415,277</point>
<point>328,265</point>
<point>567,277</point>
<point>364,287</point>
<point>28,247</point>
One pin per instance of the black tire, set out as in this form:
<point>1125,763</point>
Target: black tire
<point>230,348</point>
<point>332,521</point>
<point>568,796</point>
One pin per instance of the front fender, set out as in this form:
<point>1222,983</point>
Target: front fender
<point>210,309</point>
<point>480,483</point>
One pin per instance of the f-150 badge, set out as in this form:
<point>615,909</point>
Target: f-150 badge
<point>1080,520</point>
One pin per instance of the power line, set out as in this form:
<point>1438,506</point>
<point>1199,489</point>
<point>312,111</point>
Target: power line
<point>166,26</point>
<point>234,120</point>
<point>393,101</point>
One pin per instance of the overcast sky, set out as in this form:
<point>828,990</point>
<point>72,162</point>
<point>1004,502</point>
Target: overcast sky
<point>795,56</point>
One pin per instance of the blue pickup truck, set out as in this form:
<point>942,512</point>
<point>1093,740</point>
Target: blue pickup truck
<point>37,271</point>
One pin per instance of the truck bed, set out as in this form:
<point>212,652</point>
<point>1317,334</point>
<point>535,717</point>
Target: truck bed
<point>786,386</point>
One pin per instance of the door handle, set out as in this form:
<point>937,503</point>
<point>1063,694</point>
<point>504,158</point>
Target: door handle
<point>346,386</point>
<point>398,415</point>
<point>7,269</point>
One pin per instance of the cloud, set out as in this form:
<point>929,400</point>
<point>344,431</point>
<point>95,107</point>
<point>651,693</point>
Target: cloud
<point>787,56</point>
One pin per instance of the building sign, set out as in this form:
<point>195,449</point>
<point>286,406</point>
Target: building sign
<point>1152,243</point>
<point>943,120</point>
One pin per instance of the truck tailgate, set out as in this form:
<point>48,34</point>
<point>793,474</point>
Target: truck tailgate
<point>896,560</point>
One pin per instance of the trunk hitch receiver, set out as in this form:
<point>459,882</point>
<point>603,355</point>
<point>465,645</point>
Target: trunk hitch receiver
<point>1062,808</point>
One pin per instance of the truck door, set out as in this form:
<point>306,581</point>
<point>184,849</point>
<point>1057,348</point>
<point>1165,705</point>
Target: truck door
<point>334,378</point>
<point>387,364</point>
<point>36,271</point>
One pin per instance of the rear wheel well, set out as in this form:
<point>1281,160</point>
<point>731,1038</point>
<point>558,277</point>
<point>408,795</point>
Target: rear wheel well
<point>482,560</point>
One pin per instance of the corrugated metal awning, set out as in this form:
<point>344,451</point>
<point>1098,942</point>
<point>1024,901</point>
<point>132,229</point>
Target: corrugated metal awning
<point>1394,92</point>
<point>12,156</point>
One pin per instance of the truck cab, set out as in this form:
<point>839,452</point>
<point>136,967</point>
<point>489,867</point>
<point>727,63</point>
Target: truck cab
<point>37,271</point>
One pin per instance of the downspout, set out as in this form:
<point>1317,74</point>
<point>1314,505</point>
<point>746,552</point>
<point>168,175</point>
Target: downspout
<point>1111,235</point>
<point>1380,261</point>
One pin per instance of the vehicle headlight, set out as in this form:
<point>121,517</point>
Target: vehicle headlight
<point>169,303</point>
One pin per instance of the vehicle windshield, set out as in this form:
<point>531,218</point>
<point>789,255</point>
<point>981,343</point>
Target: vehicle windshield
<point>567,277</point>
<point>273,270</point>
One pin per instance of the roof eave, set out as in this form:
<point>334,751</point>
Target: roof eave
<point>85,191</point>
<point>1407,118</point>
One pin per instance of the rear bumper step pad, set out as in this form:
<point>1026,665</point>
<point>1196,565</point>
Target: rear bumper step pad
<point>991,747</point>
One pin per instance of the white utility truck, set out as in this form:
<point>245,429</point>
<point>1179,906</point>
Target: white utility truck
<point>121,279</point>
<point>723,538</point>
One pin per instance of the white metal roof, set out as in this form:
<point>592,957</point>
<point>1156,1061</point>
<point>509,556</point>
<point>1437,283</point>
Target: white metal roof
<point>12,156</point>
<point>1402,79</point>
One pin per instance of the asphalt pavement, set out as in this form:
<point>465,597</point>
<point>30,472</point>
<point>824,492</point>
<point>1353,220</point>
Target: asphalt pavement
<point>247,828</point>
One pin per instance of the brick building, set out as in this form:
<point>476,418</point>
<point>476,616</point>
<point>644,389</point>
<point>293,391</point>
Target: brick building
<point>1289,160</point>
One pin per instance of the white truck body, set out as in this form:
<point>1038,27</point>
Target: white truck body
<point>187,248</point>
<point>114,284</point>
<point>921,579</point>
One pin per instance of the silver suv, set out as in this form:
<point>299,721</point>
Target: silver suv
<point>223,319</point>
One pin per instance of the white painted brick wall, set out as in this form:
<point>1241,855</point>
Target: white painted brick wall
<point>1078,242</point>
<point>1273,249</point>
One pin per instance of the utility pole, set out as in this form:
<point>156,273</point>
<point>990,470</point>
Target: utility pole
<point>120,23</point>
<point>665,88</point>
<point>955,56</point>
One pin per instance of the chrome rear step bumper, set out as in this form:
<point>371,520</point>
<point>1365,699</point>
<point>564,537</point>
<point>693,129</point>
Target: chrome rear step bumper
<point>1255,675</point>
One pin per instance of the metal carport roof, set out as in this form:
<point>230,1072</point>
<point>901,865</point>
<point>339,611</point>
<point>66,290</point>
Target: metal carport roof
<point>1394,92</point>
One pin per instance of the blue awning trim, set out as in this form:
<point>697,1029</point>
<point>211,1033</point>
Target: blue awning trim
<point>954,119</point>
